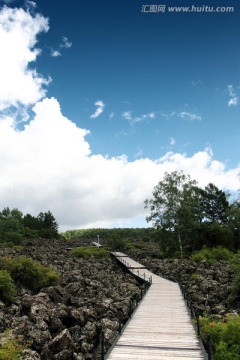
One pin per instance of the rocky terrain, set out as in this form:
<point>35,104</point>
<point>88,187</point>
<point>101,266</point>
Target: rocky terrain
<point>207,287</point>
<point>64,322</point>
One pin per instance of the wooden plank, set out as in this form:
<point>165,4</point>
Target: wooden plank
<point>161,327</point>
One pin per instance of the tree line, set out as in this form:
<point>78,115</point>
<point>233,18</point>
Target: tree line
<point>189,217</point>
<point>15,227</point>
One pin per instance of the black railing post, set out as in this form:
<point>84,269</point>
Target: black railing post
<point>198,326</point>
<point>209,348</point>
<point>119,323</point>
<point>130,311</point>
<point>191,310</point>
<point>102,345</point>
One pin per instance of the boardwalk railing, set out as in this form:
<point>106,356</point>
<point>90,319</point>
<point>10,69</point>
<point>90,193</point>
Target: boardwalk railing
<point>135,271</point>
<point>160,328</point>
<point>205,345</point>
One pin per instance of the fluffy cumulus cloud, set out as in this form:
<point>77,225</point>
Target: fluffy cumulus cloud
<point>48,164</point>
<point>18,34</point>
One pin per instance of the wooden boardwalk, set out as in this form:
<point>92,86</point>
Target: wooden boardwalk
<point>161,327</point>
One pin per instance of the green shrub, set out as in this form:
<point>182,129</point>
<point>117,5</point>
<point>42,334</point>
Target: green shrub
<point>5,263</point>
<point>28,272</point>
<point>11,348</point>
<point>13,237</point>
<point>86,252</point>
<point>235,268</point>
<point>196,277</point>
<point>212,255</point>
<point>235,263</point>
<point>7,287</point>
<point>130,245</point>
<point>10,245</point>
<point>32,274</point>
<point>224,337</point>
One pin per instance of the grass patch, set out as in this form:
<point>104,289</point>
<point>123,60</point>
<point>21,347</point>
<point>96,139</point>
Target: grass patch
<point>10,348</point>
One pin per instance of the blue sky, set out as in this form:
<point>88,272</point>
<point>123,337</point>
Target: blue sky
<point>147,92</point>
<point>147,63</point>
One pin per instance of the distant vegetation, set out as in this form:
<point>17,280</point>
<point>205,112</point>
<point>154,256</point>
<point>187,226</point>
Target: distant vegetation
<point>15,227</point>
<point>145,234</point>
<point>189,218</point>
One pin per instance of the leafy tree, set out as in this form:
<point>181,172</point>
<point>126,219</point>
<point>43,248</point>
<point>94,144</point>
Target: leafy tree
<point>175,207</point>
<point>214,204</point>
<point>14,214</point>
<point>234,222</point>
<point>48,225</point>
<point>11,226</point>
<point>192,217</point>
<point>31,222</point>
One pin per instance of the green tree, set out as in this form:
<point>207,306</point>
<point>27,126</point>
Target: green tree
<point>174,208</point>
<point>48,225</point>
<point>31,222</point>
<point>11,228</point>
<point>214,204</point>
<point>234,222</point>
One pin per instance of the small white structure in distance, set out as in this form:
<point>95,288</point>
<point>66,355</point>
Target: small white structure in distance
<point>97,244</point>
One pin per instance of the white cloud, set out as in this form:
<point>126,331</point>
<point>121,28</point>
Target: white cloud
<point>139,154</point>
<point>65,44</point>
<point>48,164</point>
<point>18,34</point>
<point>233,101</point>
<point>55,53</point>
<point>185,115</point>
<point>172,141</point>
<point>30,4</point>
<point>100,106</point>
<point>189,116</point>
<point>127,115</point>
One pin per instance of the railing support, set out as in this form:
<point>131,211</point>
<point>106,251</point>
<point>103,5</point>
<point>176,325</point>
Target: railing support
<point>102,345</point>
<point>119,323</point>
<point>209,348</point>
<point>198,326</point>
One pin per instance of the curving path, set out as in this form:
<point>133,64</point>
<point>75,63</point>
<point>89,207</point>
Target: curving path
<point>161,327</point>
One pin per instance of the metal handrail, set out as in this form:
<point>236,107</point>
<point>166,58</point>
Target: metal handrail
<point>206,347</point>
<point>143,277</point>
